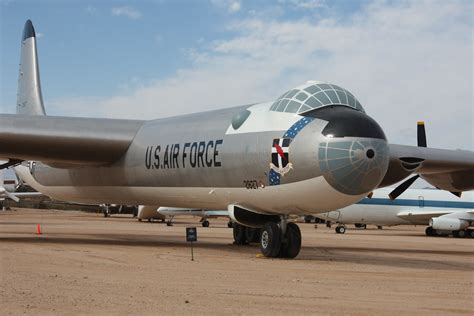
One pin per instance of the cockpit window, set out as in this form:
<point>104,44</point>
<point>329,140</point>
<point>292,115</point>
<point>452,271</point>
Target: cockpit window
<point>313,96</point>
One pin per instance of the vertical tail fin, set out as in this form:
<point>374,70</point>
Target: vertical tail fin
<point>29,97</point>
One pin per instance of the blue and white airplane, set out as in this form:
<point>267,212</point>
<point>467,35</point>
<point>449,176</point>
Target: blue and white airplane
<point>443,212</point>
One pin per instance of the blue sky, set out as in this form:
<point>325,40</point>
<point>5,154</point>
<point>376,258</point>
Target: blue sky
<point>404,60</point>
<point>99,48</point>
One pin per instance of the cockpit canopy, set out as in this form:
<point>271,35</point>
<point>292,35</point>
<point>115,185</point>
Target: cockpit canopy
<point>315,95</point>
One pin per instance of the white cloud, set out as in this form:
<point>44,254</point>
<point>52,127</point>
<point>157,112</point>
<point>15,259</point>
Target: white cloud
<point>232,6</point>
<point>127,11</point>
<point>91,9</point>
<point>303,4</point>
<point>405,62</point>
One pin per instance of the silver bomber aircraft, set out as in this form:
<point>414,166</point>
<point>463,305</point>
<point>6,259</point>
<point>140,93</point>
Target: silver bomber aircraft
<point>314,149</point>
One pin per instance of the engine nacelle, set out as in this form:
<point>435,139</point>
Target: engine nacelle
<point>249,218</point>
<point>443,223</point>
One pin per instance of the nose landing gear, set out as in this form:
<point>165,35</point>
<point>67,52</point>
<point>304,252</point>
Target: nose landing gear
<point>276,240</point>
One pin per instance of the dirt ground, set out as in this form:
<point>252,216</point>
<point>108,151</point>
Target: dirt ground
<point>86,264</point>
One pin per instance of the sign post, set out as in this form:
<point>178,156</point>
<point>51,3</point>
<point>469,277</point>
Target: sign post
<point>191,236</point>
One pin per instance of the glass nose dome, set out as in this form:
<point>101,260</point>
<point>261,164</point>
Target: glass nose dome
<point>314,95</point>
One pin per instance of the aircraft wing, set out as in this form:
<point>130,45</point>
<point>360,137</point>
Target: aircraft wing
<point>65,141</point>
<point>422,216</point>
<point>451,170</point>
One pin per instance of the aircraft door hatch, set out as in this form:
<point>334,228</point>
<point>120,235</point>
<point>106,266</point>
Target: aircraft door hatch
<point>421,201</point>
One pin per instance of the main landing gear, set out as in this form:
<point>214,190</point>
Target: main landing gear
<point>341,229</point>
<point>276,240</point>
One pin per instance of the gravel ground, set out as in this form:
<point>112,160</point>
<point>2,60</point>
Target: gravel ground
<point>86,264</point>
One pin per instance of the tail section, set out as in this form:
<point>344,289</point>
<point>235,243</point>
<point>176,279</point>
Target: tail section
<point>29,98</point>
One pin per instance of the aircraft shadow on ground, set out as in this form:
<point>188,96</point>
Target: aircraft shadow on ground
<point>398,258</point>
<point>401,258</point>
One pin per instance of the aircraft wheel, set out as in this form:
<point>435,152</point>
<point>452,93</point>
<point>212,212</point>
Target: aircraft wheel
<point>328,224</point>
<point>429,231</point>
<point>239,232</point>
<point>139,219</point>
<point>230,224</point>
<point>379,227</point>
<point>469,233</point>
<point>291,245</point>
<point>340,229</point>
<point>205,223</point>
<point>252,234</point>
<point>270,241</point>
<point>459,233</point>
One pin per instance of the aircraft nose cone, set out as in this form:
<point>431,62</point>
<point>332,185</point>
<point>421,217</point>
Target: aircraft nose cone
<point>353,166</point>
<point>354,155</point>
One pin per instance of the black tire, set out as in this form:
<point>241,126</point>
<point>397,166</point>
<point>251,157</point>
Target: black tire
<point>307,219</point>
<point>469,233</point>
<point>270,240</point>
<point>239,232</point>
<point>230,224</point>
<point>291,245</point>
<point>205,223</point>
<point>429,231</point>
<point>459,233</point>
<point>252,234</point>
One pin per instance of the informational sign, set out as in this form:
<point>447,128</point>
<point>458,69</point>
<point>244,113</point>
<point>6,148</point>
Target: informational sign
<point>191,234</point>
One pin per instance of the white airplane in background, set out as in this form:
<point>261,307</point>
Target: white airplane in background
<point>443,212</point>
<point>171,212</point>
<point>7,190</point>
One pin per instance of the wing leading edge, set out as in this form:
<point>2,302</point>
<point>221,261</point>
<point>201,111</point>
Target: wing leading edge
<point>65,141</point>
<point>451,170</point>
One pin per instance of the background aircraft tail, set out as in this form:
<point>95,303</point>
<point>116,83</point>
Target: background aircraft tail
<point>29,98</point>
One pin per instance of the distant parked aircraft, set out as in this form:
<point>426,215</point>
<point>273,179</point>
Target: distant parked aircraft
<point>443,212</point>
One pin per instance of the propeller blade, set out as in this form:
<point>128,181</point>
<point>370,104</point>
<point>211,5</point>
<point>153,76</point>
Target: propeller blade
<point>421,134</point>
<point>402,187</point>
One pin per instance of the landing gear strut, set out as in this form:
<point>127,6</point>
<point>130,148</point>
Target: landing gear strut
<point>106,210</point>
